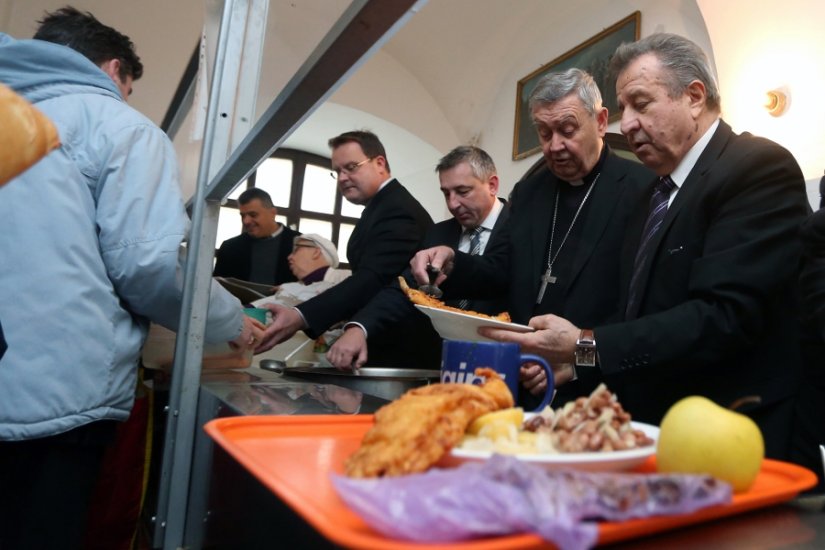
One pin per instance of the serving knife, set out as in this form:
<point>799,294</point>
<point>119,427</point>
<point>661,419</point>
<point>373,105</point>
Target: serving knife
<point>431,288</point>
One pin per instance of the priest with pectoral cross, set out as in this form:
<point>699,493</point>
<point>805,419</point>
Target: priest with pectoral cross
<point>567,220</point>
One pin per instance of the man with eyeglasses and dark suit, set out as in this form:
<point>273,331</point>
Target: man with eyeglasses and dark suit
<point>389,232</point>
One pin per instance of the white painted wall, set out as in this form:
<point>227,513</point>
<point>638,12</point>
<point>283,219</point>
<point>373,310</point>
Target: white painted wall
<point>450,75</point>
<point>760,45</point>
<point>164,32</point>
<point>385,88</point>
<point>657,16</point>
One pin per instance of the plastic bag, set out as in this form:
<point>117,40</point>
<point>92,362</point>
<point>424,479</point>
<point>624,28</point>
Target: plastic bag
<point>505,496</point>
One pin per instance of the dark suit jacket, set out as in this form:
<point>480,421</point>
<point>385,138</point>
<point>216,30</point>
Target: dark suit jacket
<point>389,232</point>
<point>813,276</point>
<point>390,312</point>
<point>717,313</point>
<point>234,258</point>
<point>513,264</point>
<point>809,427</point>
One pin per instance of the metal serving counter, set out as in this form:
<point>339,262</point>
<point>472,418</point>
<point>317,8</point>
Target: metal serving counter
<point>229,508</point>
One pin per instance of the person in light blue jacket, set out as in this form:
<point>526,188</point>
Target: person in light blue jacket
<point>90,241</point>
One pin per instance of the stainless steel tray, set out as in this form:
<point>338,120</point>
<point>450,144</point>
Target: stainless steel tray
<point>387,383</point>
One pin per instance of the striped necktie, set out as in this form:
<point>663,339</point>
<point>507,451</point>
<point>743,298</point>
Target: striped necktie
<point>475,249</point>
<point>658,209</point>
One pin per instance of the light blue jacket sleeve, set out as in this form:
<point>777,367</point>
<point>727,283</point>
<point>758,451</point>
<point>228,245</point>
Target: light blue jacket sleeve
<point>142,222</point>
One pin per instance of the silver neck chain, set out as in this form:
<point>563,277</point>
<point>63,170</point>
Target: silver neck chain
<point>551,258</point>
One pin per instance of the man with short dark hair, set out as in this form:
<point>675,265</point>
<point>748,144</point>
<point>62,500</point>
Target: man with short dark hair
<point>78,292</point>
<point>390,230</point>
<point>260,253</point>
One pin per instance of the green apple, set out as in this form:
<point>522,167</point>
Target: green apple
<point>697,436</point>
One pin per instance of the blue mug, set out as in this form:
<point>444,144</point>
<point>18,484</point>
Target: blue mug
<point>460,359</point>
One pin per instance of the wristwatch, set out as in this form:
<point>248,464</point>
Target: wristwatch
<point>586,349</point>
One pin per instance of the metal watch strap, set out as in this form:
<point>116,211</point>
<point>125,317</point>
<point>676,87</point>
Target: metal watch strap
<point>586,349</point>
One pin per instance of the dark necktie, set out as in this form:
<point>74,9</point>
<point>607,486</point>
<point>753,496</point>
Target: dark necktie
<point>475,249</point>
<point>658,209</point>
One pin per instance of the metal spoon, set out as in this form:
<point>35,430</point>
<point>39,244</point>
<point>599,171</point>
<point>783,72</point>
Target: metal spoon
<point>431,289</point>
<point>274,365</point>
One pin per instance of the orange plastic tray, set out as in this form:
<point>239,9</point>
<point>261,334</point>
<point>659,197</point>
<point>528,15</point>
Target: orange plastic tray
<point>294,456</point>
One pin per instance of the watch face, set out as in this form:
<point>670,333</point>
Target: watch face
<point>585,355</point>
<point>586,349</point>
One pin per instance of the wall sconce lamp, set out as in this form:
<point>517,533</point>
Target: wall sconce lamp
<point>776,102</point>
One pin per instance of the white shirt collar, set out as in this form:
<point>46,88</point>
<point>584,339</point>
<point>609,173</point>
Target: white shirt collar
<point>488,224</point>
<point>680,174</point>
<point>278,231</point>
<point>383,185</point>
<point>490,221</point>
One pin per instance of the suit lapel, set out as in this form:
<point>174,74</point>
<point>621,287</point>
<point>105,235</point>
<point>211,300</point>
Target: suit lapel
<point>693,183</point>
<point>690,186</point>
<point>355,247</point>
<point>704,163</point>
<point>502,217</point>
<point>454,234</point>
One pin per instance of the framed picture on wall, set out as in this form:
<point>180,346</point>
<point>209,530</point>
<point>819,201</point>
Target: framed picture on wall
<point>592,56</point>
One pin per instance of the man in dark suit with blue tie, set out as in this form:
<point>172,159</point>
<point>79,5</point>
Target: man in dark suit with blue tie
<point>710,302</point>
<point>469,183</point>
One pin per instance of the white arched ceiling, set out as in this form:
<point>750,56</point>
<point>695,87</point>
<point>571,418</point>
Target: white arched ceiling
<point>411,159</point>
<point>468,56</point>
<point>449,75</point>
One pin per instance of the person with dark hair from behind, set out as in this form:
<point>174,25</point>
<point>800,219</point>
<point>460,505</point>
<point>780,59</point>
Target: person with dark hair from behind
<point>259,254</point>
<point>390,230</point>
<point>78,293</point>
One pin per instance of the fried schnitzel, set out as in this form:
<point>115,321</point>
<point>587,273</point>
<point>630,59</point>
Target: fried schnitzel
<point>424,299</point>
<point>413,432</point>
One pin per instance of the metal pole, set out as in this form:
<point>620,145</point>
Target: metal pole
<point>183,392</point>
<point>359,32</point>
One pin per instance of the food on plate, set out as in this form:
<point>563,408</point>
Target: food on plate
<point>699,436</point>
<point>513,416</point>
<point>597,423</point>
<point>26,134</point>
<point>415,431</point>
<point>424,299</point>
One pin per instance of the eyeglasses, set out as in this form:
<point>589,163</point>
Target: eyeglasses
<point>350,168</point>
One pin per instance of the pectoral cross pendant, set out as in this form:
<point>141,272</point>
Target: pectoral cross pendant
<point>546,278</point>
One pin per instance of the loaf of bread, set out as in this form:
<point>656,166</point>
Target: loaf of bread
<point>26,134</point>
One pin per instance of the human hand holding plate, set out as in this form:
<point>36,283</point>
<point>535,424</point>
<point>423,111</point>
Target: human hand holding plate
<point>456,325</point>
<point>552,337</point>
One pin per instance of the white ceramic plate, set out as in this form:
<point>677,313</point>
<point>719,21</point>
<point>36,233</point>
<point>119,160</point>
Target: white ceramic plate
<point>612,461</point>
<point>452,325</point>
